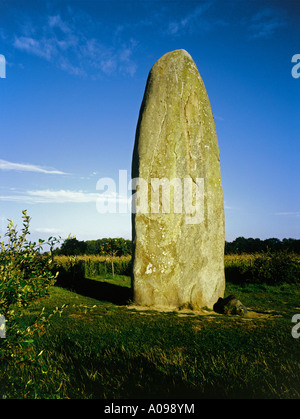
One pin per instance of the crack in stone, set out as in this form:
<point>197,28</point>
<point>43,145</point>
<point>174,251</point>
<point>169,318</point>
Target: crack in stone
<point>158,138</point>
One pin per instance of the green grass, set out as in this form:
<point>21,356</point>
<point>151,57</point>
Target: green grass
<point>97,349</point>
<point>119,280</point>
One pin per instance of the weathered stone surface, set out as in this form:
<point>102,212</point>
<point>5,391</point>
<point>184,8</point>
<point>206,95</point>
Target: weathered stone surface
<point>230,305</point>
<point>178,261</point>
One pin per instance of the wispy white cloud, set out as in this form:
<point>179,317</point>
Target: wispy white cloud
<point>25,167</point>
<point>265,23</point>
<point>56,21</point>
<point>197,19</point>
<point>179,25</point>
<point>190,19</point>
<point>48,230</point>
<point>70,46</point>
<point>127,65</point>
<point>43,48</point>
<point>62,196</point>
<point>291,213</point>
<point>229,207</point>
<point>219,118</point>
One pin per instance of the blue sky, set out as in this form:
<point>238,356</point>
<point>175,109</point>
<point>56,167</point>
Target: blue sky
<point>75,78</point>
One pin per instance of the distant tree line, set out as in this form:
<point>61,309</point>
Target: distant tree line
<point>121,247</point>
<point>115,247</point>
<point>250,245</point>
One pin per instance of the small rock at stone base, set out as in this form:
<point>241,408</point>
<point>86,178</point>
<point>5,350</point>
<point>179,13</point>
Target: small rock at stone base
<point>230,305</point>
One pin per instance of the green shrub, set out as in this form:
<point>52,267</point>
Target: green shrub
<point>25,276</point>
<point>275,268</point>
<point>269,268</point>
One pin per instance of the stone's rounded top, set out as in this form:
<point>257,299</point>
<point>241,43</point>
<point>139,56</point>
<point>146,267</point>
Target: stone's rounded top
<point>182,52</point>
<point>174,65</point>
<point>177,54</point>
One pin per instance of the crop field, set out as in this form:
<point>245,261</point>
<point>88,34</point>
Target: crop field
<point>270,268</point>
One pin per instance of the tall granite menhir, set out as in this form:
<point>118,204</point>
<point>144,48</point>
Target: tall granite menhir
<point>178,259</point>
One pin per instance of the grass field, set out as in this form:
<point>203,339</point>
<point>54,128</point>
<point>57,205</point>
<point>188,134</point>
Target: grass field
<point>100,347</point>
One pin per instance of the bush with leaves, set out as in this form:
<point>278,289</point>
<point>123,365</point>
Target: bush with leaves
<point>25,276</point>
<point>270,268</point>
<point>275,268</point>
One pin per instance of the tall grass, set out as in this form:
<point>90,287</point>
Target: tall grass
<point>91,266</point>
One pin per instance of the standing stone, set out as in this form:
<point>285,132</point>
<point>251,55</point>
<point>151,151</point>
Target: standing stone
<point>178,258</point>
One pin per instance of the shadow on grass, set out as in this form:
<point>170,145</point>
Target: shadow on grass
<point>102,291</point>
<point>234,275</point>
<point>124,374</point>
